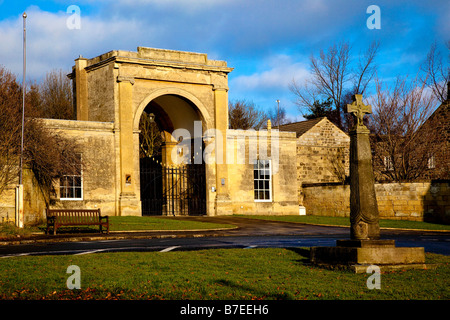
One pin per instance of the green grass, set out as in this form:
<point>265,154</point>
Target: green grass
<point>8,230</point>
<point>210,274</point>
<point>345,221</point>
<point>160,223</point>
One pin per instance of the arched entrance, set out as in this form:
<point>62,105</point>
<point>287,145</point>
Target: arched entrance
<point>172,171</point>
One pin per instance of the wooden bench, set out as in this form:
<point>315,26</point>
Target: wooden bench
<point>76,217</point>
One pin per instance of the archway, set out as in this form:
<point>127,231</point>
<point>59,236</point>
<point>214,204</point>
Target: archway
<point>172,181</point>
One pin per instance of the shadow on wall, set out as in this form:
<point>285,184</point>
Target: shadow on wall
<point>436,202</point>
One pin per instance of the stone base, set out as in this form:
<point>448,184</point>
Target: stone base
<point>357,255</point>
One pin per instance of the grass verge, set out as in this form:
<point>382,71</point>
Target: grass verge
<point>345,221</point>
<point>9,231</point>
<point>211,274</point>
<point>160,223</point>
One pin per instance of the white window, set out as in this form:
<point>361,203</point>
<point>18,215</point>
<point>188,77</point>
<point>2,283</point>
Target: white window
<point>262,180</point>
<point>431,163</point>
<point>71,186</point>
<point>388,164</point>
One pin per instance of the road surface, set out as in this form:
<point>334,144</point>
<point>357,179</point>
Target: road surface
<point>249,234</point>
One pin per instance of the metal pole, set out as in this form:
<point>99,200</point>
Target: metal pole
<point>23,92</point>
<point>278,114</point>
<point>19,189</point>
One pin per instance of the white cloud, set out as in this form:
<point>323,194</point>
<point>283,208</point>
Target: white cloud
<point>51,44</point>
<point>280,73</point>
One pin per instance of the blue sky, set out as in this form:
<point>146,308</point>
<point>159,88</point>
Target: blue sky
<point>268,42</point>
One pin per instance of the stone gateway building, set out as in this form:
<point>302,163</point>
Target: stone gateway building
<point>151,128</point>
<point>198,166</point>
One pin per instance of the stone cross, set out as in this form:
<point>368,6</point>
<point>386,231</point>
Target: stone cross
<point>358,109</point>
<point>364,216</point>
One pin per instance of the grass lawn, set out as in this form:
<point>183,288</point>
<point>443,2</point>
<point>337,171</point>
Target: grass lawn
<point>345,221</point>
<point>160,223</point>
<point>210,274</point>
<point>8,230</point>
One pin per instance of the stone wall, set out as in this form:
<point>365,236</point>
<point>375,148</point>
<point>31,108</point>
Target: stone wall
<point>240,172</point>
<point>419,201</point>
<point>323,154</point>
<point>34,202</point>
<point>96,141</point>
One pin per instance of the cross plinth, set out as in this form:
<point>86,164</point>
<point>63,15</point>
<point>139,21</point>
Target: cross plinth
<point>364,247</point>
<point>358,109</point>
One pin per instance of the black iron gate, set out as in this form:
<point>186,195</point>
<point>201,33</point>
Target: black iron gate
<point>172,190</point>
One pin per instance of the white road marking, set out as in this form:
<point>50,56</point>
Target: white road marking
<point>169,249</point>
<point>15,255</point>
<point>89,252</point>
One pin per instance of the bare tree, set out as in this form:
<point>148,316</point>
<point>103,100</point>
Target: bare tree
<point>47,154</point>
<point>55,93</point>
<point>436,73</point>
<point>278,118</point>
<point>150,138</point>
<point>400,150</point>
<point>333,78</point>
<point>10,117</point>
<point>245,115</point>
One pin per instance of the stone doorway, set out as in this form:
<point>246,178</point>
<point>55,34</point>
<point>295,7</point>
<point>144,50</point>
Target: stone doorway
<point>172,182</point>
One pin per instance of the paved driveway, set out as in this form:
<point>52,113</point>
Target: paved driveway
<point>250,233</point>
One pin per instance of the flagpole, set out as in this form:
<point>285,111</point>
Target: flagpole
<point>19,191</point>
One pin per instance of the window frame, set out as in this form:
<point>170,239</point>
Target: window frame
<point>261,179</point>
<point>73,186</point>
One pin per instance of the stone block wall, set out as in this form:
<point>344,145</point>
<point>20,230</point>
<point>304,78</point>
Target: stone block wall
<point>418,201</point>
<point>97,145</point>
<point>240,173</point>
<point>323,154</point>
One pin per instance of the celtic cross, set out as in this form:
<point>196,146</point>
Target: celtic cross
<point>358,109</point>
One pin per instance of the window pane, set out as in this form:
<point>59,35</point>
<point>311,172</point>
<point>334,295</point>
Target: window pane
<point>261,195</point>
<point>77,181</point>
<point>78,193</point>
<point>69,193</point>
<point>266,195</point>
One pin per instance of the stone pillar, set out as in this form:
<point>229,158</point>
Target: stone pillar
<point>364,216</point>
<point>128,201</point>
<point>81,90</point>
<point>221,124</point>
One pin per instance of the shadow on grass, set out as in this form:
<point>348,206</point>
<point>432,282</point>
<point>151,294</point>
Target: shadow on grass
<point>304,254</point>
<point>254,294</point>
